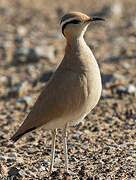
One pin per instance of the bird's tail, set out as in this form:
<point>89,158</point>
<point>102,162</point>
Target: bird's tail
<point>19,134</point>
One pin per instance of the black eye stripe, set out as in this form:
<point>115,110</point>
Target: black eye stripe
<point>76,21</point>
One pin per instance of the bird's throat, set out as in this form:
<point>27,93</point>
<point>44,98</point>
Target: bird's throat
<point>75,44</point>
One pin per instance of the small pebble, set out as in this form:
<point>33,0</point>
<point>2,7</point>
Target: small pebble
<point>13,171</point>
<point>46,76</point>
<point>26,99</point>
<point>116,9</point>
<point>43,161</point>
<point>19,89</point>
<point>117,76</point>
<point>3,80</point>
<point>45,52</point>
<point>2,158</point>
<point>12,155</point>
<point>131,88</point>
<point>21,30</point>
<point>11,160</point>
<point>41,168</point>
<point>57,160</point>
<point>106,78</point>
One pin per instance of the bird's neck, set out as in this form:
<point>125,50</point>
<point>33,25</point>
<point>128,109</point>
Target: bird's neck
<point>77,54</point>
<point>75,43</point>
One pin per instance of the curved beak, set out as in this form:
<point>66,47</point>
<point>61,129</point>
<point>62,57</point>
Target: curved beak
<point>95,19</point>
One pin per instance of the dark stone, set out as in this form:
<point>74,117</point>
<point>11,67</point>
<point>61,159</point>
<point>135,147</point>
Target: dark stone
<point>95,129</point>
<point>14,172</point>
<point>46,76</point>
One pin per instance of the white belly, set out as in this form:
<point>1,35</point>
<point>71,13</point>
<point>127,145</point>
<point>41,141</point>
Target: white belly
<point>61,122</point>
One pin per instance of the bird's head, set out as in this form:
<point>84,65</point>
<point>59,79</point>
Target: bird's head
<point>75,23</point>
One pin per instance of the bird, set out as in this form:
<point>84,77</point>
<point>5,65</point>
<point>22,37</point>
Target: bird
<point>73,90</point>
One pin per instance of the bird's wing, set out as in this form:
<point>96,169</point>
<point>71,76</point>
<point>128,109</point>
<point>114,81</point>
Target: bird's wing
<point>64,94</point>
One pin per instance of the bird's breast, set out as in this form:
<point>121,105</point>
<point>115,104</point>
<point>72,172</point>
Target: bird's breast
<point>94,87</point>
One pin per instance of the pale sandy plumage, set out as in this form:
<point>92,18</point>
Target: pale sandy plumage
<point>74,89</point>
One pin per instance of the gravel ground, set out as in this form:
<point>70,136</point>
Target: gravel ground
<point>103,146</point>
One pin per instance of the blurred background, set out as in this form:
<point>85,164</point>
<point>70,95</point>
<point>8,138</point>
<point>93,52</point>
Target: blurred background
<point>31,47</point>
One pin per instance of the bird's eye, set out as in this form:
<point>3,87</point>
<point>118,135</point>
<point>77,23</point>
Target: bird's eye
<point>75,21</point>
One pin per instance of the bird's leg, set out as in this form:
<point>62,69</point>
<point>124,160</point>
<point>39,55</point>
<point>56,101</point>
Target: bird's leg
<point>65,147</point>
<point>53,149</point>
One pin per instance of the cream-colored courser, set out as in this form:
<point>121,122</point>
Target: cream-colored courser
<point>74,89</point>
